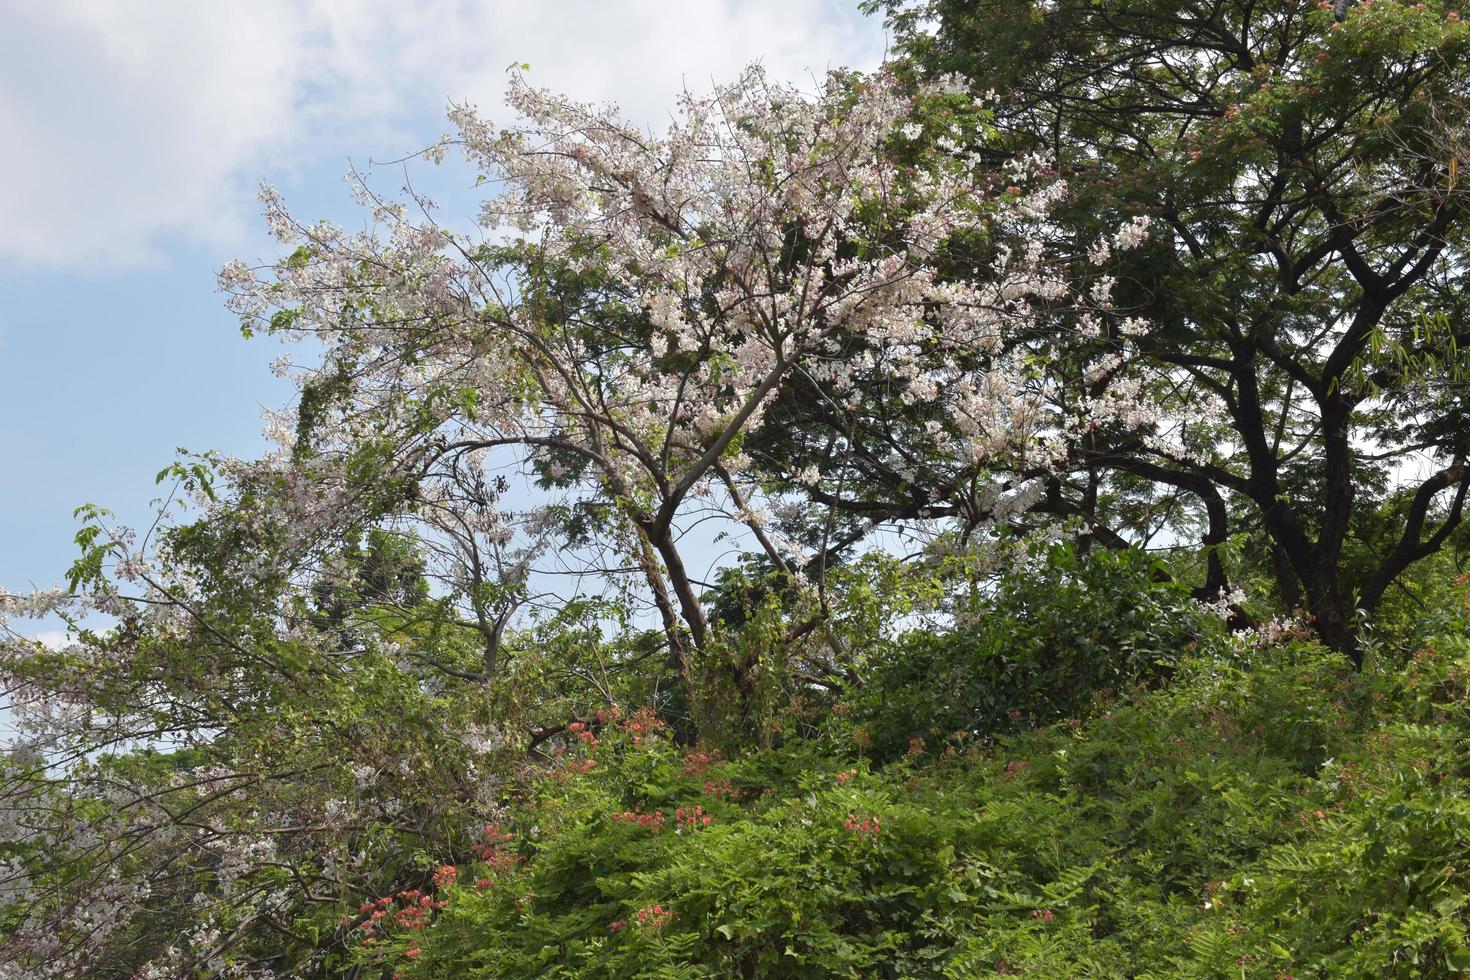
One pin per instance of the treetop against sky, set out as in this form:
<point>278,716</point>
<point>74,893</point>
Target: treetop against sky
<point>146,135</point>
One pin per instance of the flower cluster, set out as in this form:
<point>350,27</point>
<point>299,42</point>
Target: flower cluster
<point>654,917</point>
<point>575,767</point>
<point>409,910</point>
<point>494,850</point>
<point>696,761</point>
<point>583,734</point>
<point>649,821</point>
<point>719,789</point>
<point>692,817</point>
<point>642,724</point>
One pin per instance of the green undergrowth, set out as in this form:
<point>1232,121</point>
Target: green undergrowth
<point>1269,814</point>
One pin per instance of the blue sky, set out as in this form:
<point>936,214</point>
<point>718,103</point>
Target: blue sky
<point>136,137</point>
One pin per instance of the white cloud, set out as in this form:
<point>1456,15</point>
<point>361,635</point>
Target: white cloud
<point>134,125</point>
<point>54,639</point>
<point>126,123</point>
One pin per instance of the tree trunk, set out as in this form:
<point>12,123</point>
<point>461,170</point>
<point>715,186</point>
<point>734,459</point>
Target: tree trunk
<point>678,654</point>
<point>1330,616</point>
<point>1287,584</point>
<point>689,605</point>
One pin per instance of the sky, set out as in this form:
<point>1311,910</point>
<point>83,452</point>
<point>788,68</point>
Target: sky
<point>137,136</point>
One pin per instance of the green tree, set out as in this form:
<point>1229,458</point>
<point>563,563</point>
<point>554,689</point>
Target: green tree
<point>1305,161</point>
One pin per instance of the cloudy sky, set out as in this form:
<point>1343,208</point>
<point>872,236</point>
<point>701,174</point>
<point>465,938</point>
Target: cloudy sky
<point>137,134</point>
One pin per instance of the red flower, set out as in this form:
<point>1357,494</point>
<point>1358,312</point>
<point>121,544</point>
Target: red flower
<point>692,817</point>
<point>696,762</point>
<point>649,821</point>
<point>654,916</point>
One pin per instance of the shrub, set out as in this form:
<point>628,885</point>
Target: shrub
<point>1051,636</point>
<point>1279,817</point>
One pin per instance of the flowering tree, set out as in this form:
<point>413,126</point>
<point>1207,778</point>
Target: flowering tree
<point>662,294</point>
<point>348,655</point>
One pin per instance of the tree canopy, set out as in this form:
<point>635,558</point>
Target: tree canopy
<point>1302,163</point>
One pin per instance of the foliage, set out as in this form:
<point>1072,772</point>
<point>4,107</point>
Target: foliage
<point>1301,162</point>
<point>351,650</point>
<point>1270,812</point>
<point>1057,630</point>
<point>731,563</point>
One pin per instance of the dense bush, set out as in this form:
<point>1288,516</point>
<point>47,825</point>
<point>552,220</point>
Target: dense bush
<point>1266,815</point>
<point>1055,631</point>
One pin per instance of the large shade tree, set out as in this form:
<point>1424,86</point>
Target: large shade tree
<point>1302,163</point>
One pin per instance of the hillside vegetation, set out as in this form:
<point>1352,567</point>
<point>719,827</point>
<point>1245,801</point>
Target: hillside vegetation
<point>1266,812</point>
